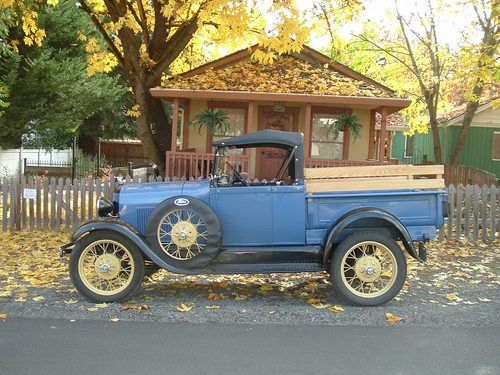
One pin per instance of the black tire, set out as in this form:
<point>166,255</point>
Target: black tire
<point>128,258</point>
<point>202,242</point>
<point>354,265</point>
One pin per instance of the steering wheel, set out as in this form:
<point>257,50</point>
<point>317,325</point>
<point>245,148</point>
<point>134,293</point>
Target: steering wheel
<point>237,175</point>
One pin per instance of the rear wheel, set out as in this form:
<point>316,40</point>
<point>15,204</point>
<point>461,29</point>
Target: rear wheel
<point>106,267</point>
<point>368,269</point>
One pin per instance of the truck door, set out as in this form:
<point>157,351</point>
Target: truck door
<point>245,213</point>
<point>289,214</point>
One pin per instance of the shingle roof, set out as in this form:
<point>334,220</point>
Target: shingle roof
<point>292,74</point>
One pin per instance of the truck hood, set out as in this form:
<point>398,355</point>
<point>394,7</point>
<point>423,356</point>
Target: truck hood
<point>153,193</point>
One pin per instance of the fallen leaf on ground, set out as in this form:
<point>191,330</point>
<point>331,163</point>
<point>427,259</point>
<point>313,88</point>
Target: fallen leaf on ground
<point>216,296</point>
<point>135,307</point>
<point>317,302</point>
<point>336,308</point>
<point>71,301</point>
<point>241,297</point>
<point>38,298</point>
<point>101,305</point>
<point>7,293</point>
<point>213,307</point>
<point>484,299</point>
<point>453,297</point>
<point>114,320</point>
<point>266,288</point>
<point>392,319</point>
<point>3,316</point>
<point>184,307</point>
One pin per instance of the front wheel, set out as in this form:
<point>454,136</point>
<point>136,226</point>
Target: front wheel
<point>106,267</point>
<point>368,269</point>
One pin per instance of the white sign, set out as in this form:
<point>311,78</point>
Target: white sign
<point>29,193</point>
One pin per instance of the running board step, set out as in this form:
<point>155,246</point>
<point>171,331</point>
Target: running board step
<point>262,268</point>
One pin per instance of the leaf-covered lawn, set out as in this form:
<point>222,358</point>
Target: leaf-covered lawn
<point>457,273</point>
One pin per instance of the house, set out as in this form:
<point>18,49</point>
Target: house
<point>481,150</point>
<point>302,92</point>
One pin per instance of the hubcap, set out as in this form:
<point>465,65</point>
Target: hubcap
<point>182,234</point>
<point>369,269</point>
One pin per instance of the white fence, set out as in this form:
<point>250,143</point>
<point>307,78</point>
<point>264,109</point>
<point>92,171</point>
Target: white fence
<point>11,160</point>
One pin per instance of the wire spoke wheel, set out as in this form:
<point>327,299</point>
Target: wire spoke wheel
<point>369,269</point>
<point>106,267</point>
<point>182,234</point>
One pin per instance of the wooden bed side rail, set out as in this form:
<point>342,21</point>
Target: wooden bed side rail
<point>376,177</point>
<point>374,171</point>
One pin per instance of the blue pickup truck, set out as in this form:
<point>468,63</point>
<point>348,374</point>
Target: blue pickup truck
<point>229,224</point>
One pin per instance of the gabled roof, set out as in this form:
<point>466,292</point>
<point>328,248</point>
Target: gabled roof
<point>307,72</point>
<point>457,114</point>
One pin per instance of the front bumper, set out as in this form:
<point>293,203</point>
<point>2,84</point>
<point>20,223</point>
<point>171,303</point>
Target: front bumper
<point>66,249</point>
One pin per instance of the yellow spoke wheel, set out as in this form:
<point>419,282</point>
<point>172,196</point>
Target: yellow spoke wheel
<point>182,234</point>
<point>106,267</point>
<point>368,268</point>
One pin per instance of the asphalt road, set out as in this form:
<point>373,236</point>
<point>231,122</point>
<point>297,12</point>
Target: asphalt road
<point>46,346</point>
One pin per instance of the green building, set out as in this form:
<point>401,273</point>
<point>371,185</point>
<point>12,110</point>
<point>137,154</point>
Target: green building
<point>481,151</point>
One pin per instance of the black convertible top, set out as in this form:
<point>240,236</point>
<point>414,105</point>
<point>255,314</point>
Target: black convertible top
<point>272,138</point>
<point>262,138</point>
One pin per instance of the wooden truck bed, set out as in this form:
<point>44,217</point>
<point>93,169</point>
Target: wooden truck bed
<point>374,177</point>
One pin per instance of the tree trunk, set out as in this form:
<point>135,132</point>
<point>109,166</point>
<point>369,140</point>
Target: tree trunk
<point>153,127</point>
<point>470,111</point>
<point>438,157</point>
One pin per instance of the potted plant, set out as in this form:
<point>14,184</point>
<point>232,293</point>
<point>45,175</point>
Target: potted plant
<point>215,120</point>
<point>347,122</point>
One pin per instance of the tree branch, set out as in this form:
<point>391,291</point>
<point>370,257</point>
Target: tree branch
<point>86,8</point>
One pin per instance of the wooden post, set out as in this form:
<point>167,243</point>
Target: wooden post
<point>251,106</point>
<point>175,123</point>
<point>383,126</point>
<point>371,136</point>
<point>307,132</point>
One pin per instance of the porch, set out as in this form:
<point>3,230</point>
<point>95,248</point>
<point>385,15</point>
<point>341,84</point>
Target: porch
<point>305,92</point>
<point>195,165</point>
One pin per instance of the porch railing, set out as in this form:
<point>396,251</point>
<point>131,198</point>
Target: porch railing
<point>186,165</point>
<point>323,163</point>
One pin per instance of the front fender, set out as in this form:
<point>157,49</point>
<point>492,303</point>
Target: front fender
<point>368,213</point>
<point>124,229</point>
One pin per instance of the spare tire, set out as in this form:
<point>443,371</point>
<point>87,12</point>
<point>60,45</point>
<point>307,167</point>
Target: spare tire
<point>184,232</point>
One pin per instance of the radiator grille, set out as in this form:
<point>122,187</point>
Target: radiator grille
<point>143,214</point>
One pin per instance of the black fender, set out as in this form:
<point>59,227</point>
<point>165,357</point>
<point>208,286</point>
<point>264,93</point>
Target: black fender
<point>127,230</point>
<point>368,213</point>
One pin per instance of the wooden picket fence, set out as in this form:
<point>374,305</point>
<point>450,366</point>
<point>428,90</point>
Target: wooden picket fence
<point>62,204</point>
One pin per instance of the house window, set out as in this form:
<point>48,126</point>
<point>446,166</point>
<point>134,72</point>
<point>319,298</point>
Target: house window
<point>409,142</point>
<point>496,146</point>
<point>236,117</point>
<point>324,144</point>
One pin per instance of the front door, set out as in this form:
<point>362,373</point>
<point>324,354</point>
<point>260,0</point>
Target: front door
<point>270,159</point>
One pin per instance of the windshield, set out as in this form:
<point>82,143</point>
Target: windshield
<point>255,165</point>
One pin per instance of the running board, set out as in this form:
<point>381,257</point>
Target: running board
<point>262,268</point>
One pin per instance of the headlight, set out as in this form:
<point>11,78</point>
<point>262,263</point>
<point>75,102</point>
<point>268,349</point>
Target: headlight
<point>105,207</point>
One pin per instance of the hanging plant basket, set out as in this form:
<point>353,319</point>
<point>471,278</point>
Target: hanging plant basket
<point>346,122</point>
<point>215,120</point>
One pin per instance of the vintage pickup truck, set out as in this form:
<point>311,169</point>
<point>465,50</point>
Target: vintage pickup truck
<point>348,221</point>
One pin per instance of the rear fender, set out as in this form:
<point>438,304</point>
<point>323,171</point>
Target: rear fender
<point>126,230</point>
<point>368,213</point>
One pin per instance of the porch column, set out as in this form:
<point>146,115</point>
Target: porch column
<point>175,121</point>
<point>307,132</point>
<point>383,126</point>
<point>371,136</point>
<point>251,106</point>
